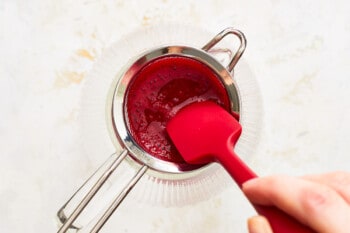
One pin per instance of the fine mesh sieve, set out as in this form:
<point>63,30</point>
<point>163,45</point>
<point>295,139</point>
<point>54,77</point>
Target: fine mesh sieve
<point>117,118</point>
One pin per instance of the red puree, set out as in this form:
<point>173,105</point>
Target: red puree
<point>159,91</point>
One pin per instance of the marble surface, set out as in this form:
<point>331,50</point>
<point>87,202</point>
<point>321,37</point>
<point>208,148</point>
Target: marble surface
<point>298,50</point>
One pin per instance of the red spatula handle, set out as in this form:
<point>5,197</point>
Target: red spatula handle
<point>279,220</point>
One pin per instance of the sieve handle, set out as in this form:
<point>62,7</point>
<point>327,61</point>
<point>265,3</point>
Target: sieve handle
<point>240,50</point>
<point>108,213</point>
<point>116,160</point>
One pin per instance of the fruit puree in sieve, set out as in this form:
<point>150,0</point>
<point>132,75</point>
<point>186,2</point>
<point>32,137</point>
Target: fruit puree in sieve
<point>159,90</point>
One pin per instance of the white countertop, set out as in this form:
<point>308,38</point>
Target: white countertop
<point>298,50</point>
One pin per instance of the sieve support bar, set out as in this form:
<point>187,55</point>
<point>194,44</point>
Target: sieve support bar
<point>240,50</point>
<point>88,197</point>
<point>108,213</point>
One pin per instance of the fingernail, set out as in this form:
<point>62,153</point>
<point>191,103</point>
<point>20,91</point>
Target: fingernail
<point>258,224</point>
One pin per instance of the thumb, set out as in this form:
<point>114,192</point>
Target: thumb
<point>259,224</point>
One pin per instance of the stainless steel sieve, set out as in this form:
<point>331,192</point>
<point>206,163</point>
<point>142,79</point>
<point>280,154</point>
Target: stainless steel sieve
<point>118,120</point>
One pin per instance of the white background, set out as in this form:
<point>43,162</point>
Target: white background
<point>298,50</point>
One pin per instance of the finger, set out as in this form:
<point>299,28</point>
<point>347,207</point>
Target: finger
<point>339,181</point>
<point>313,204</point>
<point>259,224</point>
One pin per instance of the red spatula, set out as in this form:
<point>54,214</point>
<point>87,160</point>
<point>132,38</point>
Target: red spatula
<point>204,132</point>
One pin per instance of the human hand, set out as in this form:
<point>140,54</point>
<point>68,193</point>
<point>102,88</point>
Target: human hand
<point>321,202</point>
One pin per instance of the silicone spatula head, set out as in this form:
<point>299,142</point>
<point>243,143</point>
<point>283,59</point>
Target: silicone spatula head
<point>201,130</point>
